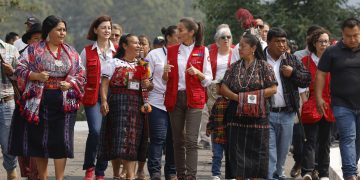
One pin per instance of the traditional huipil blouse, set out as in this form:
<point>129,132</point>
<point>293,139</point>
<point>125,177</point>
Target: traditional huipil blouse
<point>67,65</point>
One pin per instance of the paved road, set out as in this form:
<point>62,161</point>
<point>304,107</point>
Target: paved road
<point>74,166</point>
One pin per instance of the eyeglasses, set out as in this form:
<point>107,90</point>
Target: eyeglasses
<point>323,41</point>
<point>225,37</point>
<point>260,26</point>
<point>116,35</point>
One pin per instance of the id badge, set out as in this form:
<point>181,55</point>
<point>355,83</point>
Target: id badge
<point>251,99</point>
<point>134,85</point>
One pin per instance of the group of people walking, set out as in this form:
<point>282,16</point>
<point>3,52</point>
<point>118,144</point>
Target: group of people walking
<point>141,102</point>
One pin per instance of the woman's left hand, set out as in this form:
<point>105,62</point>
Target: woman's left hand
<point>64,85</point>
<point>146,83</point>
<point>192,71</point>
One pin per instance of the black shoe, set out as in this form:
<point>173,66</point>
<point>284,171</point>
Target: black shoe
<point>295,171</point>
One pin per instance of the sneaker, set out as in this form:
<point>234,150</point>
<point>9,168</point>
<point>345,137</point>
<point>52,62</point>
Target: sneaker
<point>307,177</point>
<point>215,178</point>
<point>100,178</point>
<point>89,174</point>
<point>324,178</point>
<point>295,171</point>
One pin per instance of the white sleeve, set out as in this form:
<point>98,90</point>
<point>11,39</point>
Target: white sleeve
<point>302,90</point>
<point>207,70</point>
<point>150,58</point>
<point>108,68</point>
<point>235,56</point>
<point>83,57</point>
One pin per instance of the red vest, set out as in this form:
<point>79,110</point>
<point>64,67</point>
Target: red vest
<point>309,113</point>
<point>93,68</point>
<point>213,58</point>
<point>195,92</point>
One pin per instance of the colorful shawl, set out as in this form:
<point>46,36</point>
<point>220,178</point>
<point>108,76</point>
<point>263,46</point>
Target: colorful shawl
<point>29,102</point>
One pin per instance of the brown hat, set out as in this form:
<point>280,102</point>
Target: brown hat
<point>32,20</point>
<point>35,28</point>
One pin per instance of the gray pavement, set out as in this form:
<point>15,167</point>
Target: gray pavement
<point>74,170</point>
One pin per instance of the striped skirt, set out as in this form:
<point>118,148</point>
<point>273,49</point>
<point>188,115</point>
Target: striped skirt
<point>247,152</point>
<point>122,131</point>
<point>53,137</point>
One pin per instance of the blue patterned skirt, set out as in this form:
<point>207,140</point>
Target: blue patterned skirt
<point>53,137</point>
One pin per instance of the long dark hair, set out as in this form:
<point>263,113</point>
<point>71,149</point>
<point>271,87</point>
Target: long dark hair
<point>254,41</point>
<point>50,23</point>
<point>121,50</point>
<point>169,31</point>
<point>190,24</point>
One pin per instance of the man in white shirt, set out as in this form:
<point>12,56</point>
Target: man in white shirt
<point>19,44</point>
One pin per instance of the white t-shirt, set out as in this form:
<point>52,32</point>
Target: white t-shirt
<point>221,66</point>
<point>157,60</point>
<point>19,44</point>
<point>183,56</point>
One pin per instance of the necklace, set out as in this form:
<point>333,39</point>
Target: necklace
<point>251,75</point>
<point>57,57</point>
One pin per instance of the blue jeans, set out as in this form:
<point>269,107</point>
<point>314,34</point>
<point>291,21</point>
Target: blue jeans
<point>218,153</point>
<point>348,124</point>
<point>6,112</point>
<point>160,136</point>
<point>281,131</point>
<point>94,120</point>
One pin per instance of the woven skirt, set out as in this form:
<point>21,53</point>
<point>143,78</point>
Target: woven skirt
<point>53,137</point>
<point>122,131</point>
<point>247,152</point>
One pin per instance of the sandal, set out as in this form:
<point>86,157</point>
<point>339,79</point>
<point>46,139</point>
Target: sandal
<point>141,175</point>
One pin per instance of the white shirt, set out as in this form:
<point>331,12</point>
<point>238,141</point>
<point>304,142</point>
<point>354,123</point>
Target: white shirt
<point>183,56</point>
<point>302,53</point>
<point>278,98</point>
<point>315,59</point>
<point>221,66</point>
<point>104,58</point>
<point>109,68</point>
<point>19,44</point>
<point>157,60</point>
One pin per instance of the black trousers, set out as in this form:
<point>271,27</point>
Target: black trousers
<point>317,136</point>
<point>297,142</point>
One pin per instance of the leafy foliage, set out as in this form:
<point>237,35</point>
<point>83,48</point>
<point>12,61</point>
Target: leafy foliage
<point>295,16</point>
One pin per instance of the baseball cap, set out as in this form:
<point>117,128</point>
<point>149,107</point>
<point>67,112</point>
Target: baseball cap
<point>159,40</point>
<point>32,20</point>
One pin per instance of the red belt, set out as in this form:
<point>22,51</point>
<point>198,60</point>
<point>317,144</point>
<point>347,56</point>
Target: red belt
<point>53,83</point>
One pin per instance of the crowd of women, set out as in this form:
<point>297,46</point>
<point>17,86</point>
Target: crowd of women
<point>139,103</point>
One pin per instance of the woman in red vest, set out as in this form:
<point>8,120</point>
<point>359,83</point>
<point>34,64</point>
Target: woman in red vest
<point>187,73</point>
<point>317,127</point>
<point>220,57</point>
<point>94,56</point>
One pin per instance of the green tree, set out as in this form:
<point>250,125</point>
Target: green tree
<point>295,16</point>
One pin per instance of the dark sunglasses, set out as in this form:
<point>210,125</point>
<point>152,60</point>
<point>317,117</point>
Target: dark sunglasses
<point>260,26</point>
<point>225,37</point>
<point>116,35</point>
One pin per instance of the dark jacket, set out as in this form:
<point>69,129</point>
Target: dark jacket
<point>300,78</point>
